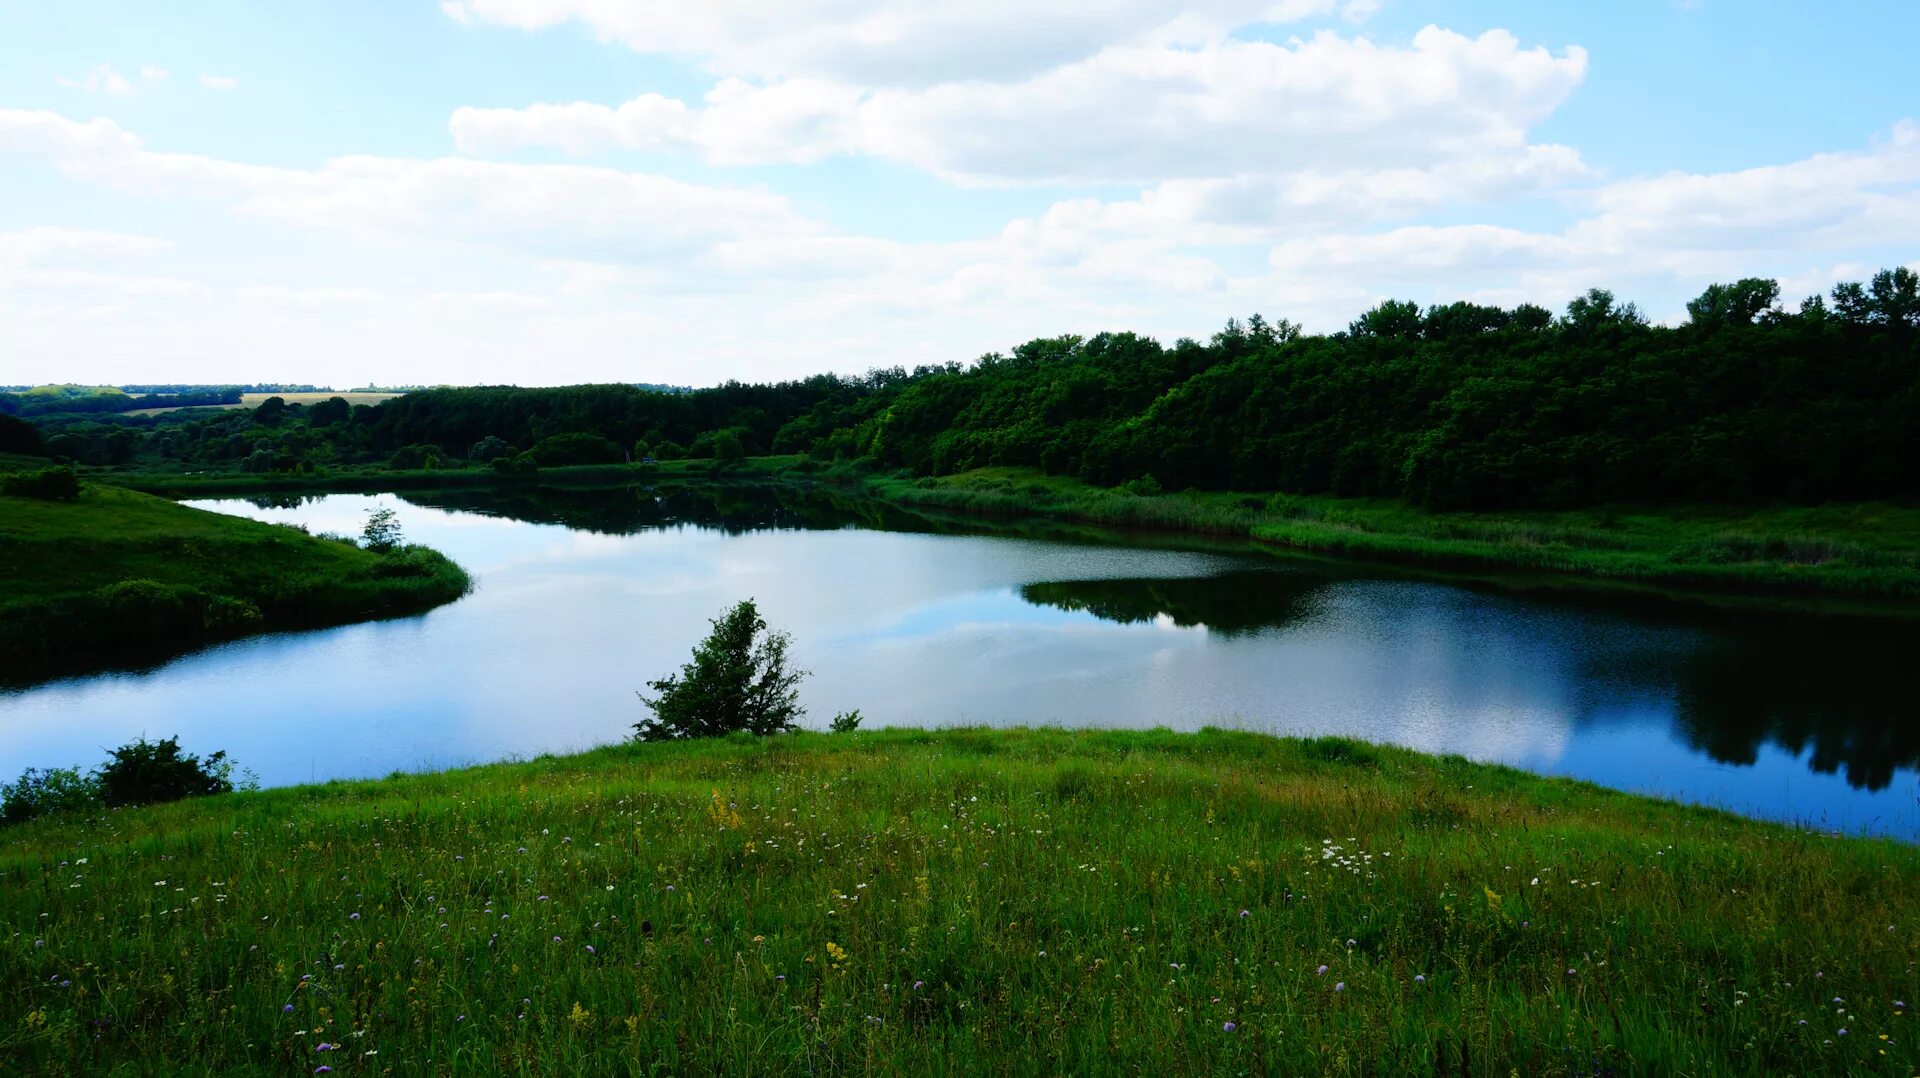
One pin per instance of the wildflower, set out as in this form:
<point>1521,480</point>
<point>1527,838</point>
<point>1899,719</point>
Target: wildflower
<point>1173,965</point>
<point>460,1018</point>
<point>1341,987</point>
<point>323,1069</point>
<point>1243,916</point>
<point>288,1009</point>
<point>917,984</point>
<point>338,966</point>
<point>1228,1027</point>
<point>590,949</point>
<point>354,916</point>
<point>1419,978</point>
<point>1321,972</point>
<point>1843,1033</point>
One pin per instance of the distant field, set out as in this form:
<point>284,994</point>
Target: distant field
<point>254,400</point>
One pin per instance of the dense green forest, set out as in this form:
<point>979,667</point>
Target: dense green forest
<point>1456,406</point>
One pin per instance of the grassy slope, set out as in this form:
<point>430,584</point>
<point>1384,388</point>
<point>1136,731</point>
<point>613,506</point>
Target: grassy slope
<point>1012,901</point>
<point>55,557</point>
<point>1862,551</point>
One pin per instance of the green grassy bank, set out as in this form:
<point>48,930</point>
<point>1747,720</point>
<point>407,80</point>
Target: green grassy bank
<point>1862,556</point>
<point>120,575</point>
<point>955,902</point>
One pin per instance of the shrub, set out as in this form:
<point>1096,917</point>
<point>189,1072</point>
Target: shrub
<point>50,485</point>
<point>43,791</point>
<point>846,722</point>
<point>560,450</point>
<point>149,772</point>
<point>414,457</point>
<point>738,681</point>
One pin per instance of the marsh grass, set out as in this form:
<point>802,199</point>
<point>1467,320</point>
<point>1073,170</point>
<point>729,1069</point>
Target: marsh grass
<point>966,901</point>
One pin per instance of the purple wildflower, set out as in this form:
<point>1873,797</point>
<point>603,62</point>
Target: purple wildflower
<point>1228,1027</point>
<point>1321,972</point>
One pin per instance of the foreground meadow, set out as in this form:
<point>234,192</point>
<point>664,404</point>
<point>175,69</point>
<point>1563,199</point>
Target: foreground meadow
<point>962,902</point>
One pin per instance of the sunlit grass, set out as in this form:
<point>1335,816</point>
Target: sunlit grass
<point>963,902</point>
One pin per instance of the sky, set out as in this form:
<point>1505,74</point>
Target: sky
<point>553,191</point>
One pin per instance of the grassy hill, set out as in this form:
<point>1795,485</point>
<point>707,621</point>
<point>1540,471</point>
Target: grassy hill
<point>120,574</point>
<point>960,902</point>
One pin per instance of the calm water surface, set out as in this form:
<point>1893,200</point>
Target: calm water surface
<point>582,598</point>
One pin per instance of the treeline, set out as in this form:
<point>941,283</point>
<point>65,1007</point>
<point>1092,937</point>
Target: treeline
<point>93,400</point>
<point>1451,406</point>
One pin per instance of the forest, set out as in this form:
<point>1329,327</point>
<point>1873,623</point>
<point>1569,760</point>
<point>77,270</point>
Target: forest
<point>1458,406</point>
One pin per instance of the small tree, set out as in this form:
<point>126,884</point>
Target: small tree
<point>738,680</point>
<point>382,532</point>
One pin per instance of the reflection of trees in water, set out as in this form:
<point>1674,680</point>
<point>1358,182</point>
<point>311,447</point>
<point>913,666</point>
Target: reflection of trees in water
<point>726,507</point>
<point>1847,697</point>
<point>1800,687</point>
<point>1231,604</point>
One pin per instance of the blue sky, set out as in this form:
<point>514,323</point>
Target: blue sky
<point>543,191</point>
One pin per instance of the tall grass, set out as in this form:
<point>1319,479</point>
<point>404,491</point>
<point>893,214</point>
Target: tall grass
<point>957,902</point>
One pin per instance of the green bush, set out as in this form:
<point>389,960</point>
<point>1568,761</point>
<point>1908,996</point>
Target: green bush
<point>40,792</point>
<point>50,485</point>
<point>149,772</point>
<point>564,449</point>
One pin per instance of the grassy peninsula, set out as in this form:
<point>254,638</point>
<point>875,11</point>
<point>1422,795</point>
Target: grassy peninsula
<point>116,575</point>
<point>966,901</point>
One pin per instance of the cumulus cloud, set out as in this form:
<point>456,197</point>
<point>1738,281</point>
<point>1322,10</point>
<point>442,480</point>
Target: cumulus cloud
<point>573,210</point>
<point>102,79</point>
<point>895,42</point>
<point>1128,113</point>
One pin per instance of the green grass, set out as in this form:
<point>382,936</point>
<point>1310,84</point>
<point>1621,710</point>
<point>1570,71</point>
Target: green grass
<point>375,479</point>
<point>1865,556</point>
<point>119,574</point>
<point>962,902</point>
<point>1859,558</point>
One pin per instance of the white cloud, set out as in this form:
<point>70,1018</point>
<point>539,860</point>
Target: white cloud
<point>905,42</point>
<point>219,82</point>
<point>576,211</point>
<point>151,73</point>
<point>103,79</point>
<point>1129,113</point>
<point>45,246</point>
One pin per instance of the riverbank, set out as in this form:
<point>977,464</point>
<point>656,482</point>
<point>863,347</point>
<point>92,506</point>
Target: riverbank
<point>117,576</point>
<point>1847,558</point>
<point>960,901</point>
<point>1861,557</point>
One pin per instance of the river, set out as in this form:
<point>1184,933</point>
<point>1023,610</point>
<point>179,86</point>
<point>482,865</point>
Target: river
<point>583,597</point>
